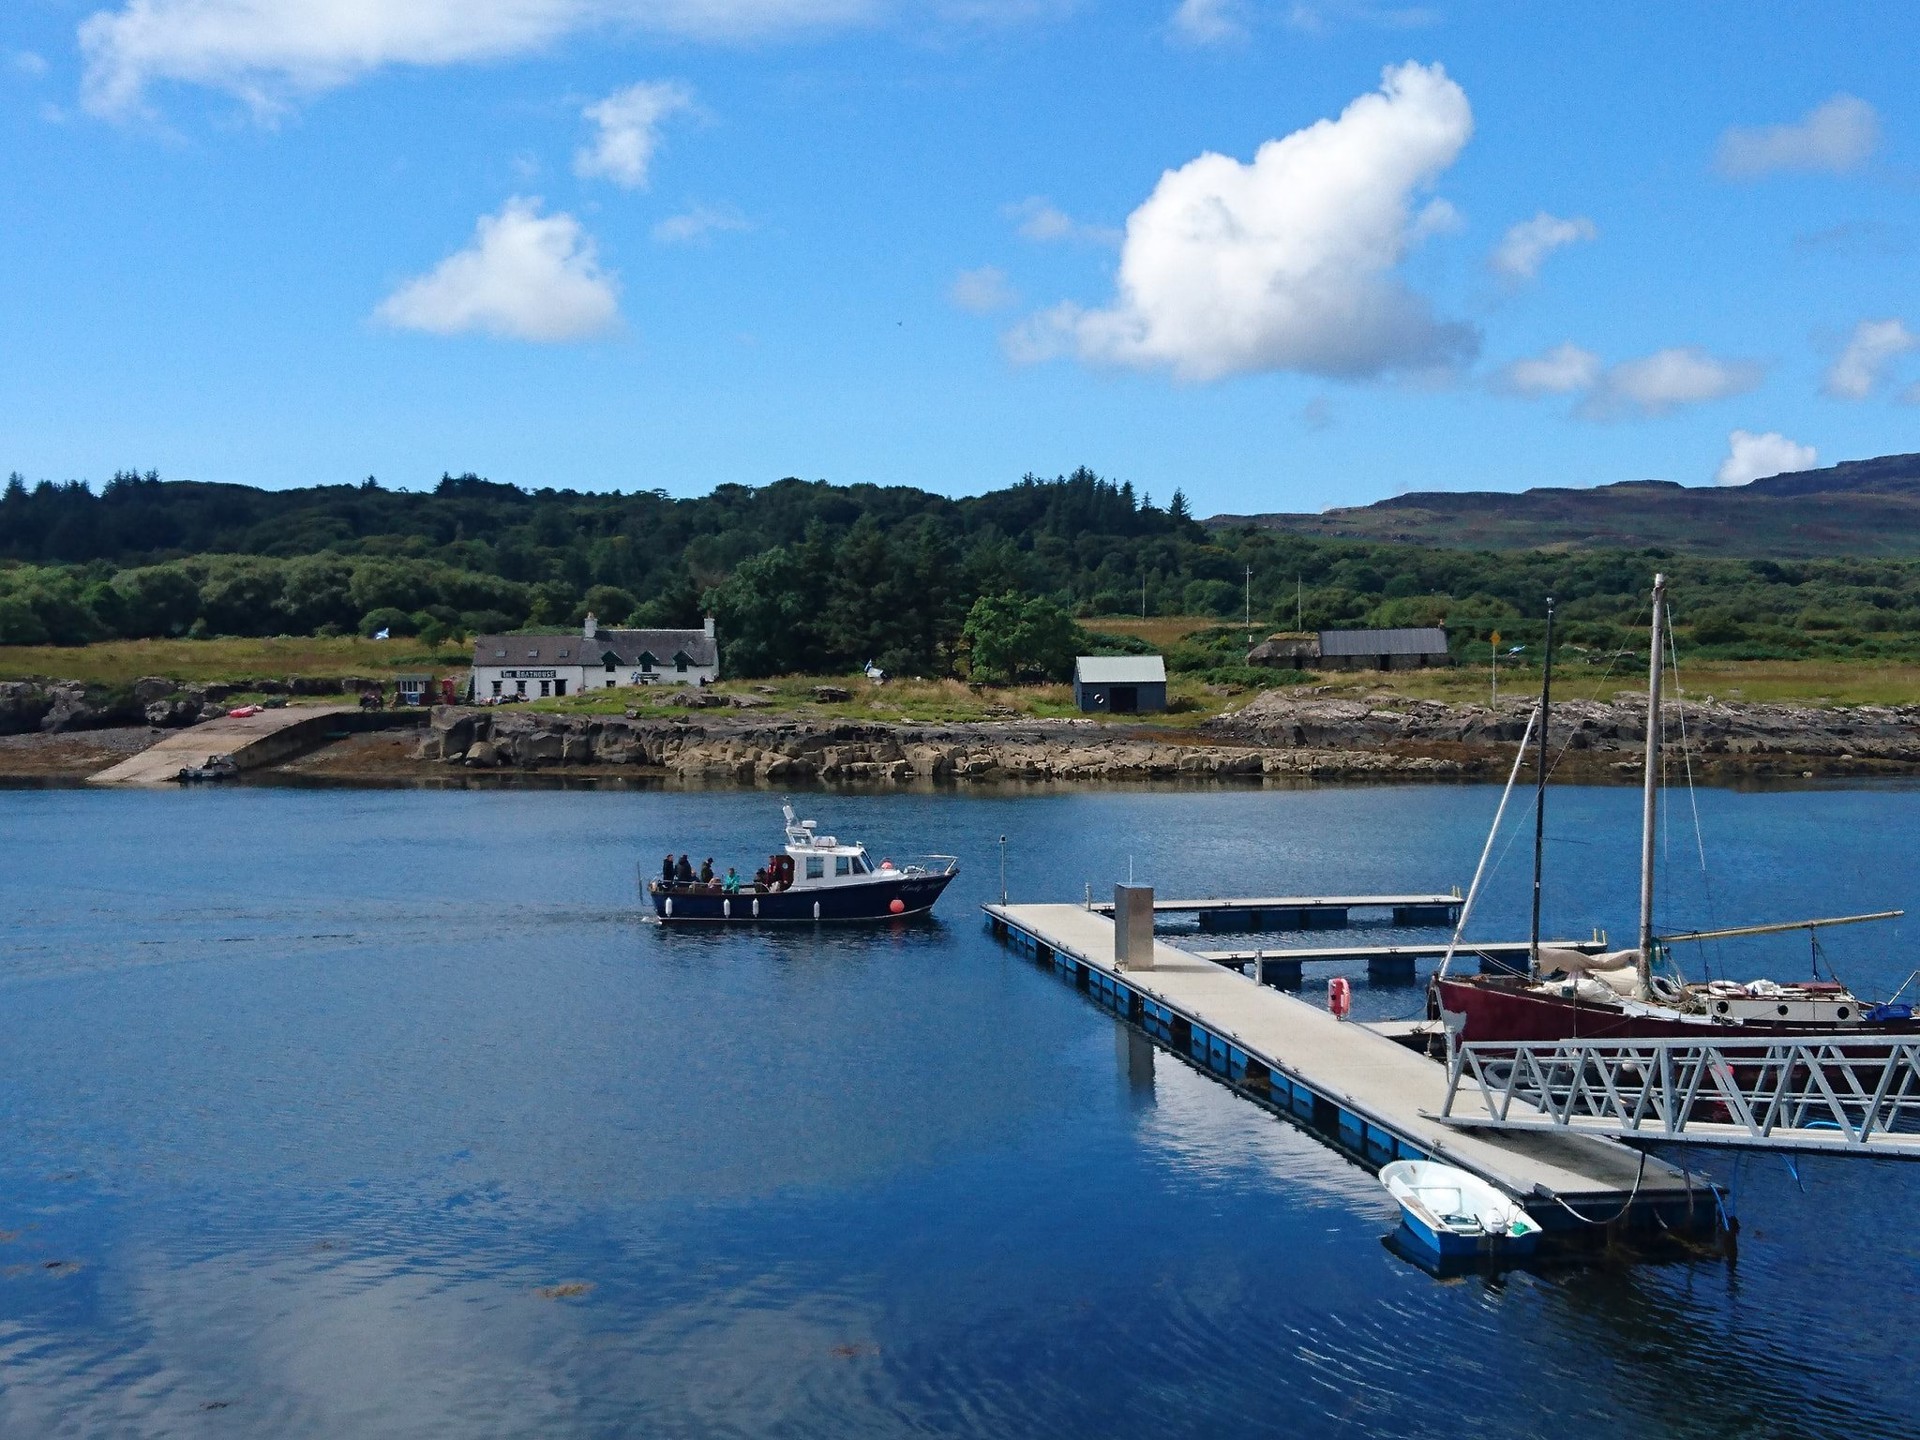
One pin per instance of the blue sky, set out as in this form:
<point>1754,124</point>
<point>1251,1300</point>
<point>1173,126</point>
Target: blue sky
<point>673,243</point>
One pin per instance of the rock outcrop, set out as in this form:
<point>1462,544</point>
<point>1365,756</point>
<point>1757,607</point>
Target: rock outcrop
<point>1279,734</point>
<point>754,751</point>
<point>1713,728</point>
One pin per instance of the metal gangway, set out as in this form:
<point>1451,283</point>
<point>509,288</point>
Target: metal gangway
<point>1845,1094</point>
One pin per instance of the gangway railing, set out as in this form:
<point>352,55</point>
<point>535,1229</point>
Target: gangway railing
<point>1853,1095</point>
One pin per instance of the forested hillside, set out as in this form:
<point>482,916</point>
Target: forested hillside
<point>807,576</point>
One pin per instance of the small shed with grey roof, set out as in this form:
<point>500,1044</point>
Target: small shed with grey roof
<point>1410,649</point>
<point>1120,684</point>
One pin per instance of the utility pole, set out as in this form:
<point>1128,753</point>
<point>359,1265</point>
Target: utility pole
<point>1299,606</point>
<point>1249,604</point>
<point>1143,594</point>
<point>1495,661</point>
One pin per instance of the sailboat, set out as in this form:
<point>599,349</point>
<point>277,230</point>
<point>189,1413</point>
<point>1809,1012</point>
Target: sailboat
<point>1624,994</point>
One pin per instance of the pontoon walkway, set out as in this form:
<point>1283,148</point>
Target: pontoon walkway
<point>1379,1095</point>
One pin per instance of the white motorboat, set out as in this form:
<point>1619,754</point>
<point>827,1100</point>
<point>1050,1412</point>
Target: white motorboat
<point>1451,1212</point>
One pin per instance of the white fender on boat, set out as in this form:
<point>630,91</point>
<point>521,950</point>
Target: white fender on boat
<point>669,907</point>
<point>756,909</point>
<point>816,909</point>
<point>726,909</point>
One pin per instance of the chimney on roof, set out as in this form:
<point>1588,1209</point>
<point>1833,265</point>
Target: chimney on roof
<point>709,627</point>
<point>591,628</point>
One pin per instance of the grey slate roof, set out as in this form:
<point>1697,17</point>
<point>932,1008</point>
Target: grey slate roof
<point>1424,641</point>
<point>571,648</point>
<point>1120,670</point>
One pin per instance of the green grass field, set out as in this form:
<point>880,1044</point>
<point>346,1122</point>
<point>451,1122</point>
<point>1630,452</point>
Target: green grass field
<point>118,662</point>
<point>1817,682</point>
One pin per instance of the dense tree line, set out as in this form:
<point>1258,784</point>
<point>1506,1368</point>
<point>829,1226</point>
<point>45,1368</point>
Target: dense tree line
<point>807,576</point>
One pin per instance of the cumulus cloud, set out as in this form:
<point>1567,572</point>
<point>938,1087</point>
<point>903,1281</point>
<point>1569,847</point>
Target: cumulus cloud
<point>1286,263</point>
<point>1040,219</point>
<point>1525,246</point>
<point>28,63</point>
<point>1754,457</point>
<point>1209,22</point>
<point>1874,345</point>
<point>698,222</point>
<point>1667,380</point>
<point>627,125</point>
<point>1837,135</point>
<point>526,276</point>
<point>1562,370</point>
<point>982,291</point>
<point>267,51</point>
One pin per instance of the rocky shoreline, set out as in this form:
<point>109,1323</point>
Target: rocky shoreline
<point>1279,734</point>
<point>56,707</point>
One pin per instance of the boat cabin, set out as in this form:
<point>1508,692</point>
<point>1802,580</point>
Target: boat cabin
<point>821,860</point>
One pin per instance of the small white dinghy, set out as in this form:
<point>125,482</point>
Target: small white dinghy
<point>1451,1212</point>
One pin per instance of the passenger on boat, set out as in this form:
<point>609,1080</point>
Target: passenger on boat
<point>683,872</point>
<point>760,878</point>
<point>666,870</point>
<point>706,871</point>
<point>732,883</point>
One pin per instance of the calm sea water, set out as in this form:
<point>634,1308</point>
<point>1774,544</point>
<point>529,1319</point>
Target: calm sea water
<point>386,1113</point>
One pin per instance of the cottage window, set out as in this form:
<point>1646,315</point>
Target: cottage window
<point>680,663</point>
<point>519,687</point>
<point>559,687</point>
<point>816,867</point>
<point>546,688</point>
<point>842,865</point>
<point>496,687</point>
<point>563,654</point>
<point>609,683</point>
<point>499,654</point>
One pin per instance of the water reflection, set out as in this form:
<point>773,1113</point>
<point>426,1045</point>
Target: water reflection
<point>388,1112</point>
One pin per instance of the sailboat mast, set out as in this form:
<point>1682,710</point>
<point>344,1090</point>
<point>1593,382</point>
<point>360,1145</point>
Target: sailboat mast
<point>1540,795</point>
<point>1649,804</point>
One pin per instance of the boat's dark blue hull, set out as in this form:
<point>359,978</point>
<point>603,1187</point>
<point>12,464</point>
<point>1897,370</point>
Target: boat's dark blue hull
<point>867,900</point>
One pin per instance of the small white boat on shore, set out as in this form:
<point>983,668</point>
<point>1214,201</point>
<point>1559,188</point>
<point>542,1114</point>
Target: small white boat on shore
<point>1451,1212</point>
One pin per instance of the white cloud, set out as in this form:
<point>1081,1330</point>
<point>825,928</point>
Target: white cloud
<point>629,122</point>
<point>698,222</point>
<point>1836,135</point>
<point>1560,371</point>
<point>982,291</point>
<point>1667,380</point>
<point>1040,219</point>
<point>267,51</point>
<point>26,62</point>
<point>1525,246</point>
<point>1323,16</point>
<point>1285,263</point>
<point>1754,457</point>
<point>1874,345</point>
<point>526,276</point>
<point>1209,22</point>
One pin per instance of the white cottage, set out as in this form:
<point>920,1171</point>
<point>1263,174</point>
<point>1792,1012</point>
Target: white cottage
<point>535,667</point>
